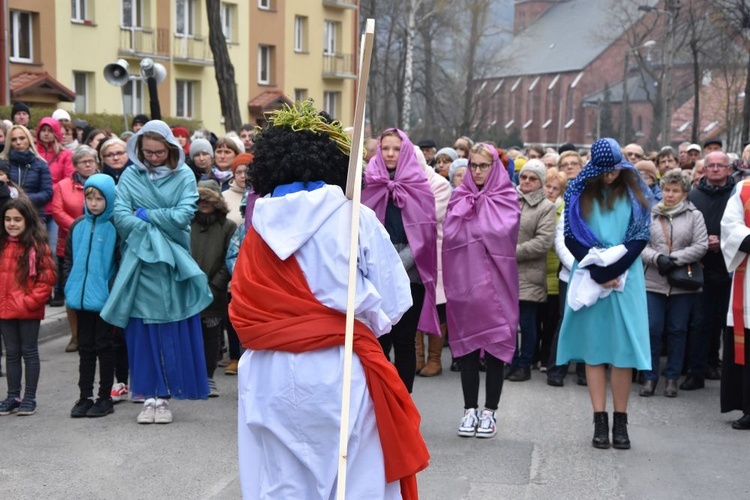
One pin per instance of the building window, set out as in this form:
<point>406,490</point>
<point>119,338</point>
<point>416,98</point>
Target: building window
<point>133,97</point>
<point>21,36</point>
<point>265,64</point>
<point>78,11</point>
<point>331,103</point>
<point>330,36</point>
<point>185,95</point>
<point>227,20</point>
<point>185,17</point>
<point>132,13</point>
<point>81,88</point>
<point>300,34</point>
<point>300,95</point>
<point>264,4</point>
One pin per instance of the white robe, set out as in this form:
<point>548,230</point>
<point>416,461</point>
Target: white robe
<point>733,233</point>
<point>289,404</point>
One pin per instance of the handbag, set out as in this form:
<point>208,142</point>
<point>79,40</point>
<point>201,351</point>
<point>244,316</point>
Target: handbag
<point>688,276</point>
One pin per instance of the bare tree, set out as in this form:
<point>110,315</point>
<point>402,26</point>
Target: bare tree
<point>223,68</point>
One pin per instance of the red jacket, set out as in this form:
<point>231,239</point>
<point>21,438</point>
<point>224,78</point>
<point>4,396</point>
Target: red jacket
<point>66,206</point>
<point>15,301</point>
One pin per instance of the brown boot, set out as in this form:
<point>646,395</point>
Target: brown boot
<point>434,350</point>
<point>420,351</point>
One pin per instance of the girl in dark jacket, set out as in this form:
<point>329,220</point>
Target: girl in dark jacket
<point>210,234</point>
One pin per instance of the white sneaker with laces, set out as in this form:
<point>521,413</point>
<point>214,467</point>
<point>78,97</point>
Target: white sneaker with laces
<point>468,425</point>
<point>163,415</point>
<point>119,392</point>
<point>487,424</point>
<point>213,390</point>
<point>147,414</point>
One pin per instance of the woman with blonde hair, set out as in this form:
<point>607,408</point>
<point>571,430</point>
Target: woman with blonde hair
<point>28,170</point>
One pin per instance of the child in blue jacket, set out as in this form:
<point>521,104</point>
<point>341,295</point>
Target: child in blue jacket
<point>90,253</point>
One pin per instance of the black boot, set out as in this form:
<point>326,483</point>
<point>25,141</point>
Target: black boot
<point>620,438</point>
<point>601,430</point>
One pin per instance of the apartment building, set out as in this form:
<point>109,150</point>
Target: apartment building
<point>57,52</point>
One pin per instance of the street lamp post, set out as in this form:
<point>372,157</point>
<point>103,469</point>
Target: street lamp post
<point>671,11</point>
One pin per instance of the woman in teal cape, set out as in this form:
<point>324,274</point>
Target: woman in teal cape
<point>159,291</point>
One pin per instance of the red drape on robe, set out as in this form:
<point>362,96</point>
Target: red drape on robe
<point>273,308</point>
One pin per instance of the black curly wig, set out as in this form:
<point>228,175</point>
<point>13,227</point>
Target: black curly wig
<point>283,156</point>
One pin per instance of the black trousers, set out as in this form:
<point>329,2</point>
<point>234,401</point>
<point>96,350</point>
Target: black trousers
<point>121,355</point>
<point>212,328</point>
<point>403,339</point>
<point>470,380</point>
<point>95,342</point>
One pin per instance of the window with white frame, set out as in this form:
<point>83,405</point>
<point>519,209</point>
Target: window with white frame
<point>331,102</point>
<point>264,4</point>
<point>300,34</point>
<point>184,17</point>
<point>227,20</point>
<point>133,97</point>
<point>300,95</point>
<point>81,88</point>
<point>131,13</point>
<point>330,35</point>
<point>265,63</point>
<point>78,10</point>
<point>185,105</point>
<point>21,36</point>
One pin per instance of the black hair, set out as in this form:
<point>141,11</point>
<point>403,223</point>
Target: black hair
<point>283,156</point>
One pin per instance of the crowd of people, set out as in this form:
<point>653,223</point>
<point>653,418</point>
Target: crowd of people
<point>513,259</point>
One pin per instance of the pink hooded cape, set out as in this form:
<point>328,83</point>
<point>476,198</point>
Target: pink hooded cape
<point>412,194</point>
<point>480,273</point>
<point>60,164</point>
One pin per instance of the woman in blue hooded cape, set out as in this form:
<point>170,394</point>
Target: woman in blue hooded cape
<point>159,291</point>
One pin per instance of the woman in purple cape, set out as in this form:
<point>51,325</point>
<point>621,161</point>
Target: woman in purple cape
<point>480,275</point>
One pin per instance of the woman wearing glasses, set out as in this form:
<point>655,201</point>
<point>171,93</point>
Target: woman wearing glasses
<point>114,158</point>
<point>159,291</point>
<point>398,192</point>
<point>607,223</point>
<point>480,275</point>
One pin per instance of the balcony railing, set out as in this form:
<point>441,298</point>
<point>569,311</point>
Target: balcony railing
<point>192,49</point>
<point>338,66</point>
<point>143,41</point>
<point>340,4</point>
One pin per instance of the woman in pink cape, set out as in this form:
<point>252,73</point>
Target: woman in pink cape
<point>480,275</point>
<point>396,189</point>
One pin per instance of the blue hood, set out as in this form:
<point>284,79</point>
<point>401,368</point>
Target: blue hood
<point>106,185</point>
<point>163,130</point>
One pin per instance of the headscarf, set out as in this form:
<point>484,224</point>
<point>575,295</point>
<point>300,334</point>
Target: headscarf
<point>605,157</point>
<point>154,171</point>
<point>412,195</point>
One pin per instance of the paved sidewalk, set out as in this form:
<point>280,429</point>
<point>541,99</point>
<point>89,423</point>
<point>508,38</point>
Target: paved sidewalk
<point>54,324</point>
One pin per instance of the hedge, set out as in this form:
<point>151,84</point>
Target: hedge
<point>99,120</point>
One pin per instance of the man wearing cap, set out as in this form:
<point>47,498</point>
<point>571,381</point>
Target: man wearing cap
<point>429,148</point>
<point>712,145</point>
<point>61,116</point>
<point>138,122</point>
<point>21,114</point>
<point>693,154</point>
<point>710,197</point>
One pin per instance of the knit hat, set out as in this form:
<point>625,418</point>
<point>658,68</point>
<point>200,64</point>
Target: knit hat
<point>427,143</point>
<point>535,167</point>
<point>18,107</point>
<point>457,163</point>
<point>139,119</point>
<point>201,146</point>
<point>61,114</point>
<point>716,141</point>
<point>647,167</point>
<point>181,132</point>
<point>80,123</point>
<point>566,147</point>
<point>450,152</point>
<point>519,162</point>
<point>241,159</point>
<point>210,184</point>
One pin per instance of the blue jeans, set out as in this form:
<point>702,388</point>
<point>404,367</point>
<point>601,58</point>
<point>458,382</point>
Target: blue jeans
<point>674,312</point>
<point>527,322</point>
<point>21,338</point>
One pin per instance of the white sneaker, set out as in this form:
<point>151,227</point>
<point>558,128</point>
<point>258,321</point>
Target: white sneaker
<point>146,416</point>
<point>163,415</point>
<point>487,424</point>
<point>119,392</point>
<point>468,425</point>
<point>213,391</point>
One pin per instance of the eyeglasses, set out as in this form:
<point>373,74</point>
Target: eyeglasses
<point>529,177</point>
<point>715,166</point>
<point>86,162</point>
<point>115,154</point>
<point>631,154</point>
<point>148,153</point>
<point>480,166</point>
<point>570,164</point>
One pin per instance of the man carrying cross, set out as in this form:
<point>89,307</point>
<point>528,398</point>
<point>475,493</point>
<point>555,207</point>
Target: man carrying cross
<point>289,294</point>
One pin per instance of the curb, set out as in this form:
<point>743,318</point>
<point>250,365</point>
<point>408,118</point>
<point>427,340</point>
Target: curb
<point>54,325</point>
